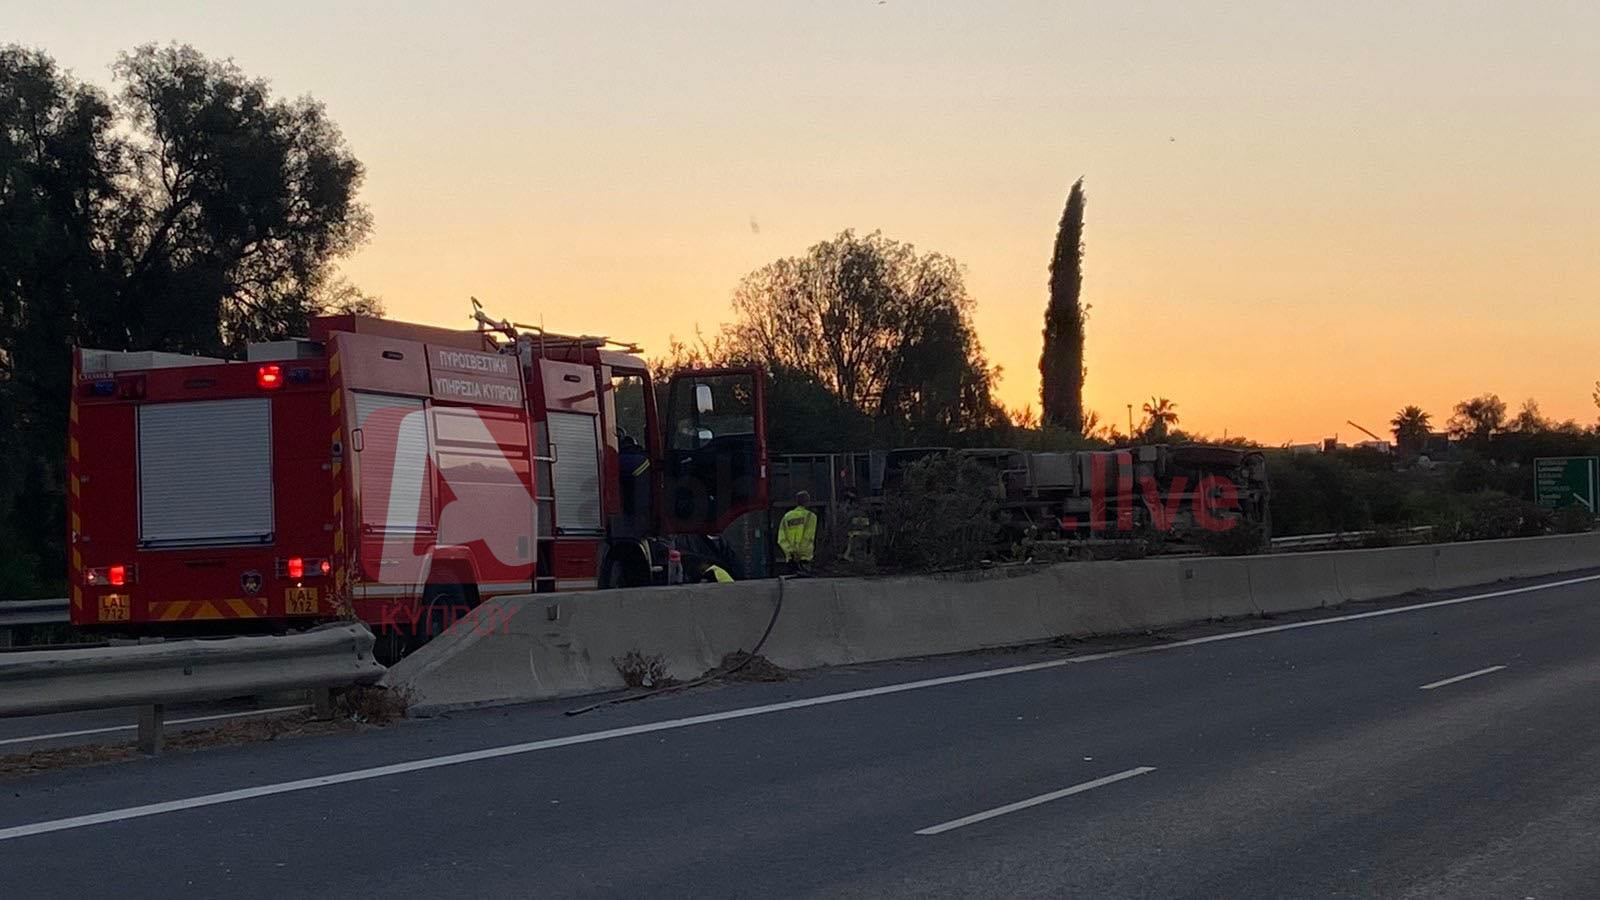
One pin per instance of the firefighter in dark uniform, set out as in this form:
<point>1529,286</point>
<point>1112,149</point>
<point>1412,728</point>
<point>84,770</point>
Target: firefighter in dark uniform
<point>634,463</point>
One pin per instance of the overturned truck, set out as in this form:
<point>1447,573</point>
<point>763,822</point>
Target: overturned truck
<point>1178,492</point>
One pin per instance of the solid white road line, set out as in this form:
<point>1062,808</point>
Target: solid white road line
<point>1035,801</point>
<point>267,790</point>
<point>32,738</point>
<point>1440,684</point>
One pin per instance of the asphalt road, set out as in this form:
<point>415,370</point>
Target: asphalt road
<point>1344,758</point>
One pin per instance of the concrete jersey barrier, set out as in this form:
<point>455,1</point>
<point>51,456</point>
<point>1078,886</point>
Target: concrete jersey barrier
<point>534,647</point>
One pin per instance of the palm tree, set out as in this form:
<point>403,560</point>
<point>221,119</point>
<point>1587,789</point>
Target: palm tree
<point>1159,414</point>
<point>1411,429</point>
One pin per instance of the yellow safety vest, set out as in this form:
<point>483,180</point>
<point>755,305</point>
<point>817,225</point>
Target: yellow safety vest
<point>720,574</point>
<point>797,534</point>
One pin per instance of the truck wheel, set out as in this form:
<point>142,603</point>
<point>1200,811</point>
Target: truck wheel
<point>442,607</point>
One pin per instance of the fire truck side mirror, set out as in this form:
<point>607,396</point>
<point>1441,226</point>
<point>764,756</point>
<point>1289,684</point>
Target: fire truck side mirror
<point>702,398</point>
<point>355,440</point>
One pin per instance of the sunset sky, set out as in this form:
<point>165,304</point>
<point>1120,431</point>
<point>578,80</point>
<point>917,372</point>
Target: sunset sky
<point>1299,213</point>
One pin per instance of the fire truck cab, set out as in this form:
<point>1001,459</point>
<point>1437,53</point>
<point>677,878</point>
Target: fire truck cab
<point>402,473</point>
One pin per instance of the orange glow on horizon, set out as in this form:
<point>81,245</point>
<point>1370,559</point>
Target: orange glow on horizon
<point>1297,215</point>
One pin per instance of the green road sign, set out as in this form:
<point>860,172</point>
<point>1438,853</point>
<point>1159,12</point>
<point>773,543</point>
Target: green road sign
<point>1564,480</point>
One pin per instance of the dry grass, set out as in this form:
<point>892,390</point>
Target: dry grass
<point>758,668</point>
<point>245,731</point>
<point>640,671</point>
<point>366,705</point>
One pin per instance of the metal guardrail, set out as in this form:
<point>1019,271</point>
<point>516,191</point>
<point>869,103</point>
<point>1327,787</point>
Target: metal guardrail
<point>1335,539</point>
<point>16,613</point>
<point>151,676</point>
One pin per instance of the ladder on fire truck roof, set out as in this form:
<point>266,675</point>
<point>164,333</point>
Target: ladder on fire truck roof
<point>548,339</point>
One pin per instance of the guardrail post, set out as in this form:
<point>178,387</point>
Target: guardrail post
<point>5,637</point>
<point>150,728</point>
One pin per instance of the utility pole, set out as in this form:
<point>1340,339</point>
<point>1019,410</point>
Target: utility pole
<point>1130,421</point>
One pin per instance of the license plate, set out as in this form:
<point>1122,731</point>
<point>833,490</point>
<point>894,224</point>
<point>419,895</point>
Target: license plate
<point>115,608</point>
<point>300,601</point>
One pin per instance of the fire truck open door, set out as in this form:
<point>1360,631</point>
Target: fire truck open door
<point>716,460</point>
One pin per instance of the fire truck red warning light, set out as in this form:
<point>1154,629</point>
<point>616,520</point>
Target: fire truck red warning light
<point>269,377</point>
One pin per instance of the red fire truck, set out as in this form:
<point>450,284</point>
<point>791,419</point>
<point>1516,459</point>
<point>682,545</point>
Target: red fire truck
<point>400,472</point>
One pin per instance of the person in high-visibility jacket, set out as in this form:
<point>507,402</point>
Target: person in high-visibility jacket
<point>797,534</point>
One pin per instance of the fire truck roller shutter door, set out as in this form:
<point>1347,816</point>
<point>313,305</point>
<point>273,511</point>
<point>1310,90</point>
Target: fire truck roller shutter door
<point>576,472</point>
<point>393,461</point>
<point>205,472</point>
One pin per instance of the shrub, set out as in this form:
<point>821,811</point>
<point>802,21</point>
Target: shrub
<point>1314,493</point>
<point>19,575</point>
<point>1476,475</point>
<point>943,515</point>
<point>1491,515</point>
<point>1240,540</point>
<point>1573,519</point>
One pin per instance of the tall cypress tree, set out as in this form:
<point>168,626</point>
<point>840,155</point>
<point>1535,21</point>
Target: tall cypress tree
<point>1061,365</point>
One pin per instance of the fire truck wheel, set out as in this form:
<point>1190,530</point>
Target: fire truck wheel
<point>626,569</point>
<point>442,605</point>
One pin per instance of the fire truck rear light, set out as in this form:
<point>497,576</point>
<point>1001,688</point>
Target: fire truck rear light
<point>269,377</point>
<point>108,576</point>
<point>299,567</point>
<point>105,388</point>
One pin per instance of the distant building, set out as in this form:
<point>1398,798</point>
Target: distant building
<point>1436,445</point>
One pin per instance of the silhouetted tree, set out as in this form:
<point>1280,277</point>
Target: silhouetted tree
<point>1479,418</point>
<point>239,203</point>
<point>193,213</point>
<point>1061,368</point>
<point>886,330</point>
<point>1530,419</point>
